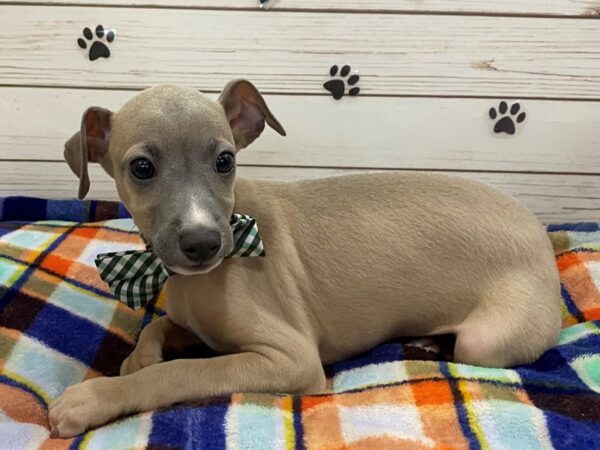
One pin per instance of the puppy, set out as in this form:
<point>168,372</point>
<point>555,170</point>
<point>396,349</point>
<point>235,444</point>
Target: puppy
<point>351,261</point>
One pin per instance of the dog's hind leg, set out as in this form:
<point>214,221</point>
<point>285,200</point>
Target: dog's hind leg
<point>518,321</point>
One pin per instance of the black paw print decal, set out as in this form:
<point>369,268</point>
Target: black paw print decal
<point>337,86</point>
<point>98,48</point>
<point>507,121</point>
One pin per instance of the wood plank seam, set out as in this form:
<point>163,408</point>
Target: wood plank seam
<point>314,94</point>
<point>359,168</point>
<point>592,13</point>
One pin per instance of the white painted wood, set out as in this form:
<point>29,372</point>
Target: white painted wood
<point>291,52</point>
<point>549,7</point>
<point>554,198</point>
<point>417,133</point>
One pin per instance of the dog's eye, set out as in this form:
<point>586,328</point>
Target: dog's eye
<point>142,168</point>
<point>225,162</point>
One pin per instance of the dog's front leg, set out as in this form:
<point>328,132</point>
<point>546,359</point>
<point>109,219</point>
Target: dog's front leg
<point>261,369</point>
<point>159,335</point>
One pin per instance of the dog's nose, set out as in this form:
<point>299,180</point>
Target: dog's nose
<point>200,244</point>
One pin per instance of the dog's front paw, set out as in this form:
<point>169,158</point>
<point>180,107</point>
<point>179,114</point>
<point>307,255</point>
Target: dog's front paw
<point>83,406</point>
<point>143,356</point>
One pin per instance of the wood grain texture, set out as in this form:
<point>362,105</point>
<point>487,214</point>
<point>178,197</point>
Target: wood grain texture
<point>554,198</point>
<point>529,7</point>
<point>381,133</point>
<point>286,52</point>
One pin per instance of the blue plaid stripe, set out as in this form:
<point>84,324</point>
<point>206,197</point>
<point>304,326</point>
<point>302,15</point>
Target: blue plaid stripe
<point>32,209</point>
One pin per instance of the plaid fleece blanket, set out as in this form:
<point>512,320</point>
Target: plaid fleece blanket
<point>59,325</point>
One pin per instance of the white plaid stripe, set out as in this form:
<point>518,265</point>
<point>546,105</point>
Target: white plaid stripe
<point>136,277</point>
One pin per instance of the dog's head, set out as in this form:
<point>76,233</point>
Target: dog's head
<point>171,151</point>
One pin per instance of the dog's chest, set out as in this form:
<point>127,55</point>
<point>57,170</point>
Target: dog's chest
<point>203,322</point>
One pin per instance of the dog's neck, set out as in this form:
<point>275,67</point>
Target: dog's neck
<point>246,201</point>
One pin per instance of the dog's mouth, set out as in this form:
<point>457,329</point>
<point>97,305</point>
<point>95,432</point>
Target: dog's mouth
<point>195,269</point>
<point>184,269</point>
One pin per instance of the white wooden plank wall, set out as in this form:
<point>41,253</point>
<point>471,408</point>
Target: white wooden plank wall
<point>430,70</point>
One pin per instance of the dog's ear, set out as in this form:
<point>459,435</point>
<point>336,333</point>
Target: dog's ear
<point>247,112</point>
<point>88,144</point>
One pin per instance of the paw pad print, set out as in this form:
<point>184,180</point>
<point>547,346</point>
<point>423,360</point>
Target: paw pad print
<point>506,121</point>
<point>337,86</point>
<point>97,48</point>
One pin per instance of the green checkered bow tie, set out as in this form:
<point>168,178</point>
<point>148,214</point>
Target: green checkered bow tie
<point>136,276</point>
